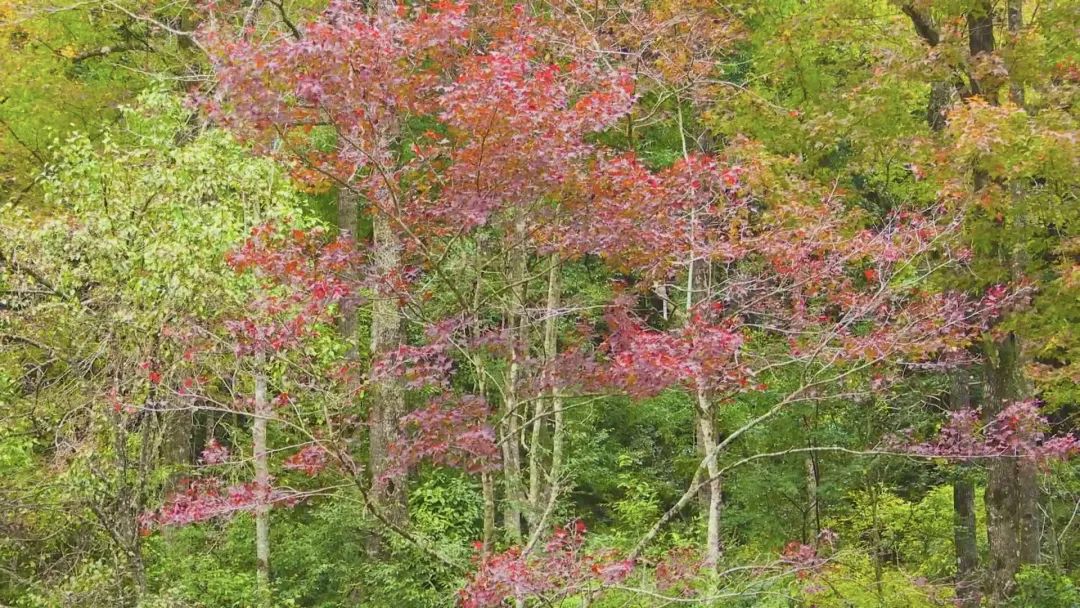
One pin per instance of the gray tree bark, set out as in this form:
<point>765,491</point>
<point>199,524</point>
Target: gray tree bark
<point>964,526</point>
<point>1012,489</point>
<point>262,485</point>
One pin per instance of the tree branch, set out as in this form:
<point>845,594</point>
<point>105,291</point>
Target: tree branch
<point>923,25</point>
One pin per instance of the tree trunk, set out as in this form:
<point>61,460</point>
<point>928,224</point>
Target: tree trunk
<point>964,530</point>
<point>706,431</point>
<point>1012,483</point>
<point>536,454</point>
<point>348,216</point>
<point>1016,24</point>
<point>542,501</point>
<point>980,21</point>
<point>538,498</point>
<point>387,395</point>
<point>708,435</point>
<point>511,423</point>
<point>812,515</point>
<point>262,485</point>
<point>488,487</point>
<point>551,352</point>
<point>387,404</point>
<point>487,482</point>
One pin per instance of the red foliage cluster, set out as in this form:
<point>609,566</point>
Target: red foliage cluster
<point>214,453</point>
<point>678,569</point>
<point>562,569</point>
<point>205,499</point>
<point>517,135</point>
<point>310,460</point>
<point>355,70</point>
<point>452,431</point>
<point>700,354</point>
<point>420,366</point>
<point>305,274</point>
<point>1019,430</point>
<point>655,223</point>
<point>803,558</point>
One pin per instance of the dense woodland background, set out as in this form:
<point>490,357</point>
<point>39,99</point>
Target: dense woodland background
<point>563,303</point>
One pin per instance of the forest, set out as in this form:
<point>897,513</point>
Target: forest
<point>539,303</point>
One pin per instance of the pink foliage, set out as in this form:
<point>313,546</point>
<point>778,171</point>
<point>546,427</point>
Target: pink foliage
<point>452,431</point>
<point>214,453</point>
<point>310,460</point>
<point>1019,430</point>
<point>207,499</point>
<point>700,354</point>
<point>804,559</point>
<point>654,222</point>
<point>305,275</point>
<point>355,70</point>
<point>420,366</point>
<point>562,569</point>
<point>517,135</point>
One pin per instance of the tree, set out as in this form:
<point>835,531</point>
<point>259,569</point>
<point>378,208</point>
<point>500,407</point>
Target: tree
<point>627,303</point>
<point>139,250</point>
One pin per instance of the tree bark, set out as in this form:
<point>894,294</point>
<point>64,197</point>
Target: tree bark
<point>964,528</point>
<point>348,209</point>
<point>1012,483</point>
<point>387,395</point>
<point>715,485</point>
<point>511,423</point>
<point>706,430</point>
<point>262,485</point>
<point>1016,24</point>
<point>538,498</point>
<point>551,352</point>
<point>980,21</point>
<point>812,513</point>
<point>488,488</point>
<point>387,403</point>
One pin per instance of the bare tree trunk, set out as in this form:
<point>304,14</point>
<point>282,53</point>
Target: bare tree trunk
<point>1012,484</point>
<point>262,485</point>
<point>964,530</point>
<point>511,446</point>
<point>487,483</point>
<point>702,452</point>
<point>715,485</point>
<point>540,414</point>
<point>387,403</point>
<point>1016,24</point>
<point>536,456</point>
<point>695,283</point>
<point>558,438</point>
<point>811,496</point>
<point>551,352</point>
<point>348,209</point>
<point>542,502</point>
<point>488,487</point>
<point>511,432</point>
